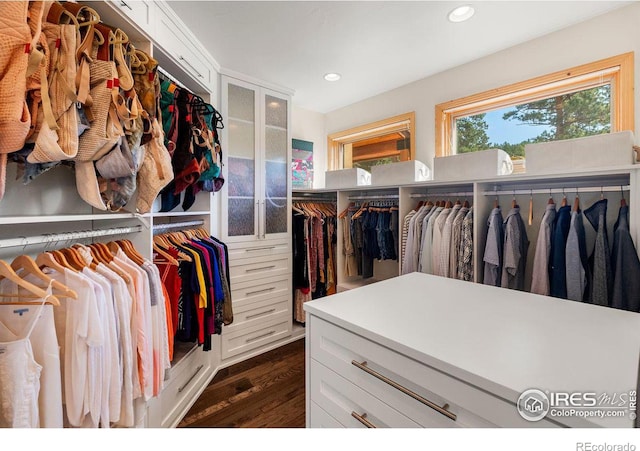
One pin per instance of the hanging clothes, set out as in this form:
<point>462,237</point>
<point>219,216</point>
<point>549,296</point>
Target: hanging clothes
<point>426,255</point>
<point>30,381</point>
<point>405,235</point>
<point>456,240</point>
<point>540,283</point>
<point>601,284</point>
<point>515,249</point>
<point>558,275</point>
<point>465,253</point>
<point>437,247</point>
<point>493,251</point>
<point>445,246</point>
<point>625,266</point>
<point>577,270</point>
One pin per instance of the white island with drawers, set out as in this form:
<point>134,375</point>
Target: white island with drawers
<point>427,351</point>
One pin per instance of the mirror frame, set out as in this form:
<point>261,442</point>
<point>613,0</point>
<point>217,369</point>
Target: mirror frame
<point>335,141</point>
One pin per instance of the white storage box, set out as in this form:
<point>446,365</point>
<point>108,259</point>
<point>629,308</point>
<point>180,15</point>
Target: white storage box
<point>573,155</point>
<point>400,173</point>
<point>347,178</point>
<point>472,165</point>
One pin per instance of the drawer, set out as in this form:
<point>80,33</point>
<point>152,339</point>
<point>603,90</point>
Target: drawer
<point>344,400</point>
<point>318,418</point>
<point>260,267</point>
<point>141,12</point>
<point>237,341</point>
<point>238,251</point>
<point>260,312</point>
<point>186,380</point>
<point>177,41</point>
<point>245,294</point>
<point>400,377</point>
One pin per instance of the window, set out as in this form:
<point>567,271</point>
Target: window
<point>382,142</point>
<point>586,100</point>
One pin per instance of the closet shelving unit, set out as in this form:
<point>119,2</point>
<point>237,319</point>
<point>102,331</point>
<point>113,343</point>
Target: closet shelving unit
<point>591,185</point>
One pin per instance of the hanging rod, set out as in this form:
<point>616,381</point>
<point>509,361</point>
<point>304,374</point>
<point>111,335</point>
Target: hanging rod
<point>568,190</point>
<point>312,199</point>
<point>171,78</point>
<point>66,236</point>
<point>159,228</point>
<point>379,197</point>
<point>444,193</point>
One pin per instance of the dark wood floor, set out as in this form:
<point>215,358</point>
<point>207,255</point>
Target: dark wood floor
<point>265,391</point>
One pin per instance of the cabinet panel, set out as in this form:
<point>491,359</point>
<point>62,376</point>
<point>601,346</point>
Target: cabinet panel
<point>259,312</point>
<point>187,378</point>
<point>338,349</point>
<point>239,251</point>
<point>259,268</point>
<point>341,399</point>
<point>141,12</point>
<point>319,418</point>
<point>239,341</point>
<point>246,294</point>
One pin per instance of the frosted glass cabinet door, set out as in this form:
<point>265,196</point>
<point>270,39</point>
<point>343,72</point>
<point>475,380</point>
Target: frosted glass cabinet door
<point>242,203</point>
<point>276,165</point>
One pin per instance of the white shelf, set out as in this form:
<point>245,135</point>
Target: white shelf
<point>350,285</point>
<point>177,214</point>
<point>68,218</point>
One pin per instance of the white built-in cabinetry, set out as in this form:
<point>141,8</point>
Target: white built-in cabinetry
<point>256,219</point>
<point>425,351</point>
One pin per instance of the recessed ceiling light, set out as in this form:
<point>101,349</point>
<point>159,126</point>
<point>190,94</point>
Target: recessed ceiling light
<point>332,76</point>
<point>461,13</point>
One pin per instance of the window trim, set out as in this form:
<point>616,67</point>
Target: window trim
<point>396,123</point>
<point>618,69</point>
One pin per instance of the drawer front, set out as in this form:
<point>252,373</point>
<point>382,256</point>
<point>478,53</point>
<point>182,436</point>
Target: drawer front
<point>260,267</point>
<point>186,379</point>
<point>237,341</point>
<point>260,312</point>
<point>246,294</point>
<point>345,402</point>
<point>178,44</point>
<point>395,379</point>
<point>239,251</point>
<point>139,11</point>
<point>318,418</point>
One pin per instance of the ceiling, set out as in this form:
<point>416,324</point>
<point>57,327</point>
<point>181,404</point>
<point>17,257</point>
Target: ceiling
<point>376,46</point>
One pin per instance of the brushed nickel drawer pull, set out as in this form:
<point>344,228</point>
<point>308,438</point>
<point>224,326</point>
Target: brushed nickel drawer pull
<point>249,340</point>
<point>182,58</point>
<point>442,410</point>
<point>181,389</point>
<point>266,248</point>
<point>363,419</point>
<point>122,3</point>
<point>260,268</point>
<point>260,291</point>
<point>266,312</point>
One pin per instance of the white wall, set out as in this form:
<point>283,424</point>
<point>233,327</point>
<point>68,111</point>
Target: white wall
<point>310,126</point>
<point>608,35</point>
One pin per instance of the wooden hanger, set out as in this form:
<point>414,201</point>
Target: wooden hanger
<point>465,204</point>
<point>131,252</point>
<point>60,258</point>
<point>29,266</point>
<point>564,200</point>
<point>576,204</point>
<point>74,258</point>
<point>449,204</point>
<point>45,259</point>
<point>36,292</point>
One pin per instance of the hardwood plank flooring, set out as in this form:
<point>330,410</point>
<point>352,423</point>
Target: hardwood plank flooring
<point>266,391</point>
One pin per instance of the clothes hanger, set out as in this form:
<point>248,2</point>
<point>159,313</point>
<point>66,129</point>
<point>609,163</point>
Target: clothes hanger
<point>131,252</point>
<point>29,266</point>
<point>169,258</point>
<point>74,258</point>
<point>465,204</point>
<point>564,199</point>
<point>36,292</point>
<point>576,202</point>
<point>623,201</point>
<point>514,202</point>
<point>61,259</point>
<point>550,201</point>
<point>45,259</point>
<point>531,207</point>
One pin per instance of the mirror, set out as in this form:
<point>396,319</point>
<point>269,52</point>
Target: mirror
<point>390,140</point>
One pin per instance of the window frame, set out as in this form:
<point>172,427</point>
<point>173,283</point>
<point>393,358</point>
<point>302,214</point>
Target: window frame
<point>335,141</point>
<point>618,70</point>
